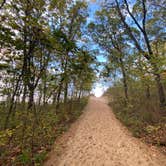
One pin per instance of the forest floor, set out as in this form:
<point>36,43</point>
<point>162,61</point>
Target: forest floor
<point>99,139</point>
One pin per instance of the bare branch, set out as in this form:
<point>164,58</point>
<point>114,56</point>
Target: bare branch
<point>128,29</point>
<point>144,14</point>
<point>139,26</point>
<point>132,16</point>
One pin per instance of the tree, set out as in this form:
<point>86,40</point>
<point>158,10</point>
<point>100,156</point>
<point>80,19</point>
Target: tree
<point>135,18</point>
<point>105,34</point>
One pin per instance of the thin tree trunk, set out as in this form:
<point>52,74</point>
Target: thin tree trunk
<point>125,86</point>
<point>148,55</point>
<point>66,79</point>
<point>40,97</point>
<point>59,93</point>
<point>66,92</point>
<point>44,93</point>
<point>12,103</point>
<point>54,97</point>
<point>160,90</point>
<point>79,95</point>
<point>147,91</point>
<point>24,94</point>
<point>159,84</point>
<point>31,98</point>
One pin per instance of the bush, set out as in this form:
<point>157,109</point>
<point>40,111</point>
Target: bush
<point>32,133</point>
<point>141,115</point>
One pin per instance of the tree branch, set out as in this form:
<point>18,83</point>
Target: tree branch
<point>144,14</point>
<point>138,25</point>
<point>128,29</point>
<point>132,16</point>
<point>2,4</point>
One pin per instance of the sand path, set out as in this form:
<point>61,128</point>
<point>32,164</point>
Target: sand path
<point>99,139</point>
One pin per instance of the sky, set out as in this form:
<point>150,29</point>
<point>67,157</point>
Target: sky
<point>93,6</point>
<point>100,87</point>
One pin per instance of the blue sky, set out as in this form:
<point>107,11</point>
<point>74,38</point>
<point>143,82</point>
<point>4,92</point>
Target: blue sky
<point>100,86</point>
<point>93,6</point>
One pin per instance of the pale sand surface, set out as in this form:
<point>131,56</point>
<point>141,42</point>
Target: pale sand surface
<point>99,139</point>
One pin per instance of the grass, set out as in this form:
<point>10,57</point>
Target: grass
<point>30,136</point>
<point>142,116</point>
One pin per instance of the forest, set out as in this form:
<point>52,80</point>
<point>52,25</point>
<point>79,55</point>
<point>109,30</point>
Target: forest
<point>50,62</point>
<point>132,35</point>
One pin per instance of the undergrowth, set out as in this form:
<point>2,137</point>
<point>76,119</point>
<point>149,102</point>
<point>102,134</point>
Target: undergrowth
<point>29,138</point>
<point>143,117</point>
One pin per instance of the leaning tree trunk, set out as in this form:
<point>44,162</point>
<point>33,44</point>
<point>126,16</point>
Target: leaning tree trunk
<point>138,46</point>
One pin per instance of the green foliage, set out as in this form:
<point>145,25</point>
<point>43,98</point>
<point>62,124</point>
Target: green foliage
<point>45,74</point>
<point>5,135</point>
<point>48,126</point>
<point>24,158</point>
<point>141,115</point>
<point>151,128</point>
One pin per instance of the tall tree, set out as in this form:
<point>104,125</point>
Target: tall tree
<point>105,34</point>
<point>135,17</point>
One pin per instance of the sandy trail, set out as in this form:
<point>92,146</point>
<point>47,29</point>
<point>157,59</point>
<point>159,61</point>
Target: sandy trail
<point>99,139</point>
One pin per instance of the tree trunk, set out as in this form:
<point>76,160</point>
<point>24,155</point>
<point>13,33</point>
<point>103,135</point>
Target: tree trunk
<point>148,55</point>
<point>160,87</point>
<point>54,98</point>
<point>44,93</point>
<point>147,92</point>
<point>125,86</point>
<point>59,94</point>
<point>160,90</point>
<point>66,78</point>
<point>79,95</point>
<point>31,98</point>
<point>65,92</point>
<point>40,98</point>
<point>24,94</point>
<point>12,102</point>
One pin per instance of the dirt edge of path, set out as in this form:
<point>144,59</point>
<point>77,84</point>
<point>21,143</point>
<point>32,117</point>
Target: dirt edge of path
<point>60,144</point>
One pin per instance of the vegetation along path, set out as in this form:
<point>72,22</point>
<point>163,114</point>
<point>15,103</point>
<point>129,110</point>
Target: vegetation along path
<point>99,139</point>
